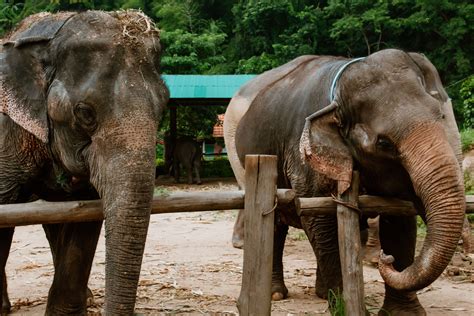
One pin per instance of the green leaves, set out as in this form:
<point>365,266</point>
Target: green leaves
<point>272,33</point>
<point>191,53</point>
<point>11,12</point>
<point>252,36</point>
<point>467,95</point>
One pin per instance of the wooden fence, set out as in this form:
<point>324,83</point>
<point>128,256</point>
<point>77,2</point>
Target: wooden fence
<point>259,200</point>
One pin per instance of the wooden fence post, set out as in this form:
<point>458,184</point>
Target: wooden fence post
<point>350,250</point>
<point>260,190</point>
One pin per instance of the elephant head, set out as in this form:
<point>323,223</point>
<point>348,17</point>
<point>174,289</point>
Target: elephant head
<point>391,119</point>
<point>87,85</point>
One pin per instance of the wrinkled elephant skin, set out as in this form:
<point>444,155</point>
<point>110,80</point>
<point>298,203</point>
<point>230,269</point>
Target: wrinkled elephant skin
<point>390,118</point>
<point>81,98</point>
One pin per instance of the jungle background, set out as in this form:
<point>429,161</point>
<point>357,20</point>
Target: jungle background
<point>250,36</point>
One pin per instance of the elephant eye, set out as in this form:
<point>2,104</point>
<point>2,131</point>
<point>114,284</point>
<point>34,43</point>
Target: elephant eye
<point>384,144</point>
<point>86,116</point>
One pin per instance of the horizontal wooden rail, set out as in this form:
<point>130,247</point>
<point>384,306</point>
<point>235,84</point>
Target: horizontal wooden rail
<point>369,205</point>
<point>42,212</point>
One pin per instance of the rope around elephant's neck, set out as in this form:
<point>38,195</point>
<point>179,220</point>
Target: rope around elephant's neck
<point>332,92</point>
<point>305,148</point>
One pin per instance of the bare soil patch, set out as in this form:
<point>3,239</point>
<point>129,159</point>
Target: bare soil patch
<point>191,268</point>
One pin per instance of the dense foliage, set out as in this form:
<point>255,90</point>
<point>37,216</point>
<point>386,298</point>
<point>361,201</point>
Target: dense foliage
<point>467,106</point>
<point>250,36</point>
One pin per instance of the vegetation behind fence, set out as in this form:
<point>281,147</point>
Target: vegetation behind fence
<point>228,36</point>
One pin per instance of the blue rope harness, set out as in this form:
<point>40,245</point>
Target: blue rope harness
<point>332,92</point>
<point>305,148</point>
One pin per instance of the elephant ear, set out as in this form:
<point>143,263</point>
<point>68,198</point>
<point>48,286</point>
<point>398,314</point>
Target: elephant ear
<point>432,80</point>
<point>23,78</point>
<point>435,88</point>
<point>323,148</point>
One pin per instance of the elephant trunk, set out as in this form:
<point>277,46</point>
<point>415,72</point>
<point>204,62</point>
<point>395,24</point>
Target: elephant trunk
<point>124,175</point>
<point>437,180</point>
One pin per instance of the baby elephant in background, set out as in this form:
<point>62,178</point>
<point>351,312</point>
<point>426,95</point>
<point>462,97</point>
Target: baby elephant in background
<point>186,152</point>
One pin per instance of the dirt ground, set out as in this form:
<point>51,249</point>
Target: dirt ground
<point>191,268</point>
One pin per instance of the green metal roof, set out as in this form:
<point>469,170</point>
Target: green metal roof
<point>204,86</point>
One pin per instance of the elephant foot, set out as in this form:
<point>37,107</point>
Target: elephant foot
<point>402,311</point>
<point>90,298</point>
<point>322,290</point>
<point>237,241</point>
<point>402,307</point>
<point>279,291</point>
<point>65,309</point>
<point>6,307</point>
<point>238,233</point>
<point>467,238</point>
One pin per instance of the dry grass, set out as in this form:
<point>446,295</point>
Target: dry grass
<point>135,23</point>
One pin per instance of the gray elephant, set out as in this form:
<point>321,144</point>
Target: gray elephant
<point>81,97</point>
<point>185,152</point>
<point>386,115</point>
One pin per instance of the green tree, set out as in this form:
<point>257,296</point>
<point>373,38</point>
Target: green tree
<point>258,24</point>
<point>467,96</point>
<point>191,53</point>
<point>192,44</point>
<point>442,30</point>
<point>302,31</point>
<point>358,25</point>
<point>251,36</point>
<point>11,12</point>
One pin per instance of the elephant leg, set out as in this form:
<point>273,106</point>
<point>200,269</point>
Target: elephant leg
<point>197,165</point>
<point>189,172</point>
<point>6,237</point>
<point>73,247</point>
<point>6,306</point>
<point>322,234</point>
<point>176,171</point>
<point>398,238</point>
<point>279,290</point>
<point>53,245</point>
<point>466,236</point>
<point>238,233</point>
<point>90,297</point>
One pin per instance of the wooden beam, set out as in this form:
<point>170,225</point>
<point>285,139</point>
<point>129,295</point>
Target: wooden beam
<point>260,183</point>
<point>350,250</point>
<point>369,205</point>
<point>42,212</point>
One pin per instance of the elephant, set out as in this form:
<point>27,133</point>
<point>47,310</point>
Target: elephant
<point>81,97</point>
<point>387,116</point>
<point>186,152</point>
